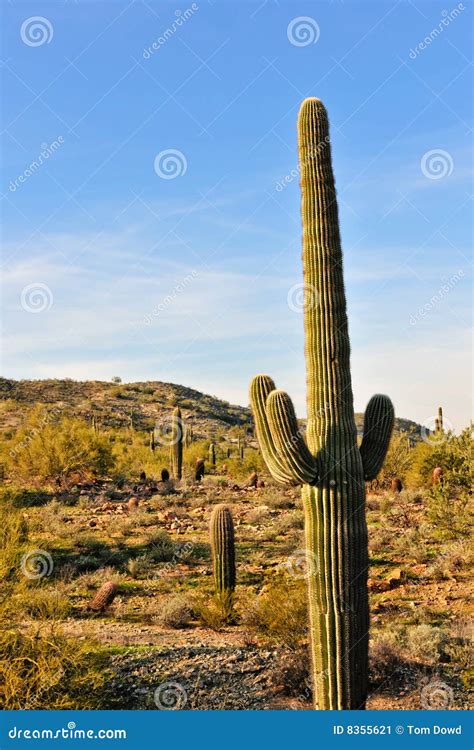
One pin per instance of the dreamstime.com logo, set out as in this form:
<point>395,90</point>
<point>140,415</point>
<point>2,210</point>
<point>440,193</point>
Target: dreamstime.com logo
<point>438,297</point>
<point>170,696</point>
<point>170,163</point>
<point>436,164</point>
<point>67,733</point>
<point>170,298</point>
<point>436,695</point>
<point>47,150</point>
<point>303,31</point>
<point>36,297</point>
<point>181,18</point>
<point>36,31</point>
<point>448,17</point>
<point>302,297</point>
<point>37,564</point>
<point>302,564</point>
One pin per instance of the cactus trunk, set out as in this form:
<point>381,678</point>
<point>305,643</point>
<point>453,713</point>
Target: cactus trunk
<point>176,446</point>
<point>331,467</point>
<point>223,555</point>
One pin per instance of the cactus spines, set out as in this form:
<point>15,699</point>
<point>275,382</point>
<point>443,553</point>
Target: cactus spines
<point>212,454</point>
<point>330,465</point>
<point>223,553</point>
<point>104,596</point>
<point>199,471</point>
<point>176,445</point>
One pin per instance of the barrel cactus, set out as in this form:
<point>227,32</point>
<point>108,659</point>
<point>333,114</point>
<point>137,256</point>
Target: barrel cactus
<point>176,444</point>
<point>223,555</point>
<point>103,597</point>
<point>330,466</point>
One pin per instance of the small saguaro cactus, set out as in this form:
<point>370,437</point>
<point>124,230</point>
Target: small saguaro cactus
<point>176,444</point>
<point>165,475</point>
<point>439,421</point>
<point>330,466</point>
<point>223,554</point>
<point>199,471</point>
<point>152,441</point>
<point>188,435</point>
<point>212,454</point>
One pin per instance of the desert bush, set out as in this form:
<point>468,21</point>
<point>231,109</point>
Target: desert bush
<point>279,612</point>
<point>385,660</point>
<point>160,548</point>
<point>177,612</point>
<point>210,612</point>
<point>52,451</point>
<point>41,603</point>
<point>425,642</point>
<point>47,671</point>
<point>398,460</point>
<point>13,535</point>
<point>453,559</point>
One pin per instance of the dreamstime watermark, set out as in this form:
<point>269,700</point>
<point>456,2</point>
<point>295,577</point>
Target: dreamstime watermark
<point>303,31</point>
<point>170,696</point>
<point>181,18</point>
<point>70,732</point>
<point>302,297</point>
<point>47,150</point>
<point>36,31</point>
<point>302,564</point>
<point>170,298</point>
<point>433,433</point>
<point>438,297</point>
<point>436,696</point>
<point>313,152</point>
<point>170,432</point>
<point>37,564</point>
<point>436,164</point>
<point>36,297</point>
<point>448,17</point>
<point>170,163</point>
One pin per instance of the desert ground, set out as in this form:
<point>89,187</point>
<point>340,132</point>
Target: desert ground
<point>83,504</point>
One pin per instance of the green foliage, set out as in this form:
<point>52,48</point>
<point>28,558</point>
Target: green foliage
<point>280,611</point>
<point>398,461</point>
<point>50,451</point>
<point>13,535</point>
<point>47,671</point>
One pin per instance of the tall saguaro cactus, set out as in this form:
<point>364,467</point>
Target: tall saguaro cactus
<point>223,554</point>
<point>330,466</point>
<point>176,444</point>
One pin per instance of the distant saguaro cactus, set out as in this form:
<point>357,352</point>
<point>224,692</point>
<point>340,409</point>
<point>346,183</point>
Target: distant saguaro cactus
<point>188,435</point>
<point>330,466</point>
<point>440,419</point>
<point>152,441</point>
<point>212,454</point>
<point>223,554</point>
<point>176,444</point>
<point>199,471</point>
<point>104,597</point>
<point>165,475</point>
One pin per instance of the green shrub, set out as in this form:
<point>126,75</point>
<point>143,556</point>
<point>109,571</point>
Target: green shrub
<point>50,451</point>
<point>279,613</point>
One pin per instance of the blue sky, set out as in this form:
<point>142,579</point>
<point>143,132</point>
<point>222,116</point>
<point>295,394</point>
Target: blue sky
<point>122,259</point>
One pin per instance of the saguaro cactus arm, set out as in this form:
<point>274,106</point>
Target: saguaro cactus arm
<point>260,388</point>
<point>288,439</point>
<point>378,424</point>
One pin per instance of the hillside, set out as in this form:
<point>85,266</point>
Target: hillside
<point>140,404</point>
